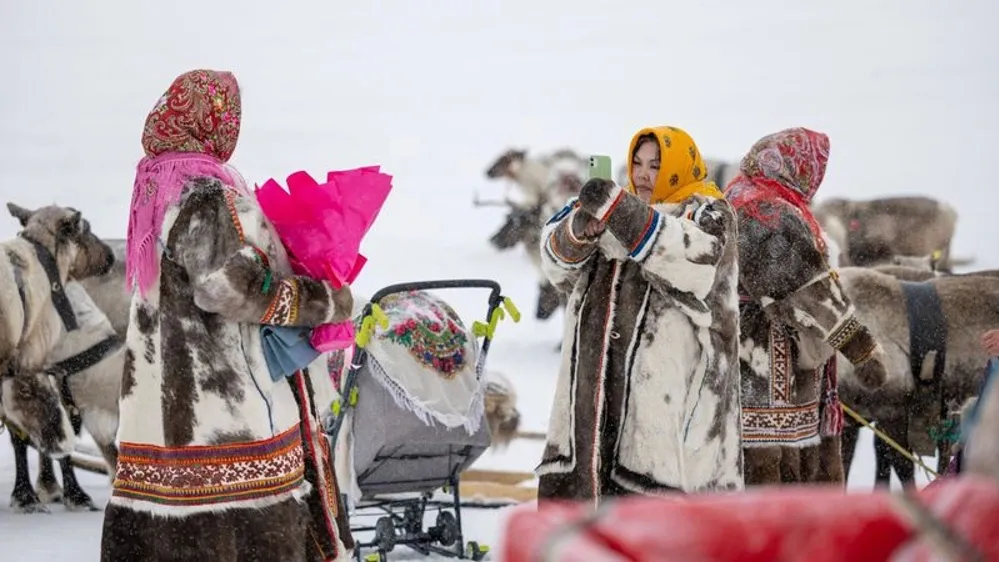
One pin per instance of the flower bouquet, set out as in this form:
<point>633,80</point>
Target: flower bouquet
<point>321,226</point>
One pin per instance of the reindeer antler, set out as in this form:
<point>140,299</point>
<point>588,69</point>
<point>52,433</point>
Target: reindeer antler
<point>505,202</point>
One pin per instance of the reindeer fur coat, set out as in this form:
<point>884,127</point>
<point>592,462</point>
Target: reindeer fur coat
<point>794,312</point>
<point>647,398</point>
<point>195,378</point>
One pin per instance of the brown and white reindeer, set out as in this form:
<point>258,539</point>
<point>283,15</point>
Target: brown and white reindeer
<point>930,328</point>
<point>546,183</point>
<point>54,246</point>
<point>86,366</point>
<point>876,231</point>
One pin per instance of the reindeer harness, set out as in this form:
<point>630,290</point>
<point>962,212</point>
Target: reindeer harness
<point>79,362</point>
<point>927,334</point>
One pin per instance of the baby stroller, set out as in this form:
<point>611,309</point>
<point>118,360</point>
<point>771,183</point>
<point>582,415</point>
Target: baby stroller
<point>411,406</point>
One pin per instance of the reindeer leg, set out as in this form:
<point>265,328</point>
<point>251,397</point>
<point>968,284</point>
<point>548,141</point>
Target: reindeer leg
<point>110,453</point>
<point>882,461</point>
<point>23,499</point>
<point>73,497</point>
<point>905,469</point>
<point>49,489</point>
<point>848,445</point>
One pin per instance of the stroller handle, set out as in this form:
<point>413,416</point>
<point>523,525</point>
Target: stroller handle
<point>495,291</point>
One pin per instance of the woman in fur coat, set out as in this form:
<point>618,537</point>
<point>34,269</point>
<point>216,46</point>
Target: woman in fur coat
<point>217,461</point>
<point>794,316</point>
<point>647,399</point>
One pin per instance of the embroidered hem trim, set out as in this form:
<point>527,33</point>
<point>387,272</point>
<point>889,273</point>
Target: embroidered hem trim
<point>781,426</point>
<point>781,422</point>
<point>208,475</point>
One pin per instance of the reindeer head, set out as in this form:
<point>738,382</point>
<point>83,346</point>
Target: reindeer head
<point>928,263</point>
<point>549,300</point>
<point>504,166</point>
<point>31,403</point>
<point>64,232</point>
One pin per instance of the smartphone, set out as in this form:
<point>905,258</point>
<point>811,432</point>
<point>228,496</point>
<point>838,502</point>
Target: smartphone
<point>600,167</point>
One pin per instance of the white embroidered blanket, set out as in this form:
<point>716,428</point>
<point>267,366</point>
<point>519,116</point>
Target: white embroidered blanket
<point>428,361</point>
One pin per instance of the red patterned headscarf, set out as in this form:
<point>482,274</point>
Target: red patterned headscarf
<point>787,165</point>
<point>192,132</point>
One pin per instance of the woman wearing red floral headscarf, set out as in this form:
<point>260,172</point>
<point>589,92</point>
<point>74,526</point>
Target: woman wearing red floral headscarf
<point>793,316</point>
<point>215,458</point>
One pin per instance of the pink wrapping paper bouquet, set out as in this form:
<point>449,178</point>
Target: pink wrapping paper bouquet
<point>321,226</point>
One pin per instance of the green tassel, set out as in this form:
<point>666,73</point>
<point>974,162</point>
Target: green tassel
<point>268,277</point>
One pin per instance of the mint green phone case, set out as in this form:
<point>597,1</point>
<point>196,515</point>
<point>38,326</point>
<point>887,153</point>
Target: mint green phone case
<point>600,167</point>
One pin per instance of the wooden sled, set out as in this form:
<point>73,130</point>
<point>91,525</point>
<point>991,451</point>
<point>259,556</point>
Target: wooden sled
<point>497,484</point>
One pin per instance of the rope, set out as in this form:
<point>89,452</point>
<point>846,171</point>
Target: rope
<point>884,437</point>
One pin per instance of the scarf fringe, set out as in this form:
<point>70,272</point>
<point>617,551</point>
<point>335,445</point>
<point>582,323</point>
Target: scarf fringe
<point>470,422</point>
<point>159,185</point>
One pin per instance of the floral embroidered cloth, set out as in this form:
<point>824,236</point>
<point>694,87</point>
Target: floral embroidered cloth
<point>428,360</point>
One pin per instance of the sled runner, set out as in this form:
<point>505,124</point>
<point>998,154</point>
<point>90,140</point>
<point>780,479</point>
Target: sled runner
<point>409,415</point>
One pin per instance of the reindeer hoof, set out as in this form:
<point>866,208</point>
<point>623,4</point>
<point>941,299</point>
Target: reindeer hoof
<point>27,502</point>
<point>51,493</point>
<point>77,503</point>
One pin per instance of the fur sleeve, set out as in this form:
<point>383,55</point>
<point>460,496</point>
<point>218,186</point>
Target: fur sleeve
<point>781,267</point>
<point>232,277</point>
<point>677,254</point>
<point>563,254</point>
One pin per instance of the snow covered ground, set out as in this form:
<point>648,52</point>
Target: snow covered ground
<point>433,91</point>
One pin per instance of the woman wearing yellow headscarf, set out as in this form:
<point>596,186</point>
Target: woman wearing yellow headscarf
<point>647,399</point>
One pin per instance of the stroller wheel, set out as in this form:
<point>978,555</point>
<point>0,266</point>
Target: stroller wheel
<point>385,534</point>
<point>446,529</point>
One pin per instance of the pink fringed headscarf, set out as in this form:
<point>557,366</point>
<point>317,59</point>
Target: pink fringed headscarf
<point>192,132</point>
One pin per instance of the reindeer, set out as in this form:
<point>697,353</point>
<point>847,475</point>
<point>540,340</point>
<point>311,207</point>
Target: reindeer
<point>968,305</point>
<point>874,232</point>
<point>547,183</point>
<point>54,246</point>
<point>83,381</point>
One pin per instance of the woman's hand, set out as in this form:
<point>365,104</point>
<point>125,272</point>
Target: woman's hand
<point>990,342</point>
<point>593,228</point>
<point>585,226</point>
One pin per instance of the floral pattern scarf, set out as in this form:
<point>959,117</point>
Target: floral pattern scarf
<point>787,165</point>
<point>191,132</point>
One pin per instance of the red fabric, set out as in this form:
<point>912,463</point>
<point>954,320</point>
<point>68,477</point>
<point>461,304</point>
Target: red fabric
<point>817,524</point>
<point>199,113</point>
<point>832,412</point>
<point>763,190</point>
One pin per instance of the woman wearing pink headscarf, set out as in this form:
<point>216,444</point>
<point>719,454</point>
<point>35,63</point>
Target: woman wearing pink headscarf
<point>794,316</point>
<point>217,461</point>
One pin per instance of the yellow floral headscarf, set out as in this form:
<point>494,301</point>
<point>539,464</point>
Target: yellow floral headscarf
<point>682,172</point>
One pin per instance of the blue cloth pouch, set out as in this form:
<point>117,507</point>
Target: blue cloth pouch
<point>286,349</point>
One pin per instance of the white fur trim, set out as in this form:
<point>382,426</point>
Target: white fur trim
<point>649,238</point>
<point>298,494</point>
<point>331,313</point>
<point>571,231</point>
<point>616,193</point>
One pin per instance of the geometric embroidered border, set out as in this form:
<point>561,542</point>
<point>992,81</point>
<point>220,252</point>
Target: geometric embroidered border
<point>208,475</point>
<point>283,308</point>
<point>782,422</point>
<point>789,425</point>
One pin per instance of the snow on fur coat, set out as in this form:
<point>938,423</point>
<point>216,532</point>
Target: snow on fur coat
<point>795,312</point>
<point>647,398</point>
<point>212,451</point>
